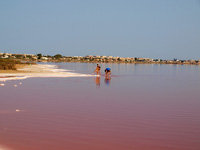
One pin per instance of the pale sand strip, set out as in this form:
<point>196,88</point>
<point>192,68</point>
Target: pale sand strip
<point>39,71</point>
<point>3,148</point>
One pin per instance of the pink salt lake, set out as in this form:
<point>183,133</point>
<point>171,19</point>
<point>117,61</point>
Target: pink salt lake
<point>140,107</point>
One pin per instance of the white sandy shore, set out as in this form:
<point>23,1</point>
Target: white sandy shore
<point>40,71</point>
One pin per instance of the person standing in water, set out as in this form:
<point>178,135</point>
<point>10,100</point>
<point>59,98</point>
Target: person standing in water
<point>97,70</point>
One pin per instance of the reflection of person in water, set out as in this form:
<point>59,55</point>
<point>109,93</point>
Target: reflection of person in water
<point>98,69</point>
<point>97,81</point>
<point>107,71</point>
<point>107,80</point>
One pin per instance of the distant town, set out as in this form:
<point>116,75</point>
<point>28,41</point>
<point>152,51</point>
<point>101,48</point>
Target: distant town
<point>92,59</point>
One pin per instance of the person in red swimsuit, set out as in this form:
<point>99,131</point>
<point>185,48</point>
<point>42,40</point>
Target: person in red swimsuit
<point>98,69</point>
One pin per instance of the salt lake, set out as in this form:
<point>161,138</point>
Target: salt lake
<point>140,106</point>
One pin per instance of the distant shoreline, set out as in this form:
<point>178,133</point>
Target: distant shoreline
<point>121,62</point>
<point>94,59</point>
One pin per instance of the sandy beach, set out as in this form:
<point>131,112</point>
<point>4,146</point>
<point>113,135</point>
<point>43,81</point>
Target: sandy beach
<point>39,70</point>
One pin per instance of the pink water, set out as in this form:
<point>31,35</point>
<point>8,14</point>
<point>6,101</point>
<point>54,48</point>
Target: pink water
<point>141,107</point>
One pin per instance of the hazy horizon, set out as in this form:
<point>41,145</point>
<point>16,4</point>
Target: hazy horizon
<point>149,29</point>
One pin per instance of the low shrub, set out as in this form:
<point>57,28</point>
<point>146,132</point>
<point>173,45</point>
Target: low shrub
<point>7,64</point>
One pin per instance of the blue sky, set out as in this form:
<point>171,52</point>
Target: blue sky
<point>163,29</point>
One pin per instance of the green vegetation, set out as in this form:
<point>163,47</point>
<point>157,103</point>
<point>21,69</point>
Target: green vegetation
<point>58,56</point>
<point>39,56</point>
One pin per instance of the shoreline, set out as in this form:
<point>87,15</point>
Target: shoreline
<point>38,70</point>
<point>119,62</point>
<point>18,66</point>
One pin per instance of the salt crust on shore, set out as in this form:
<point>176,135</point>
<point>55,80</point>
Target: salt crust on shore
<point>40,70</point>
